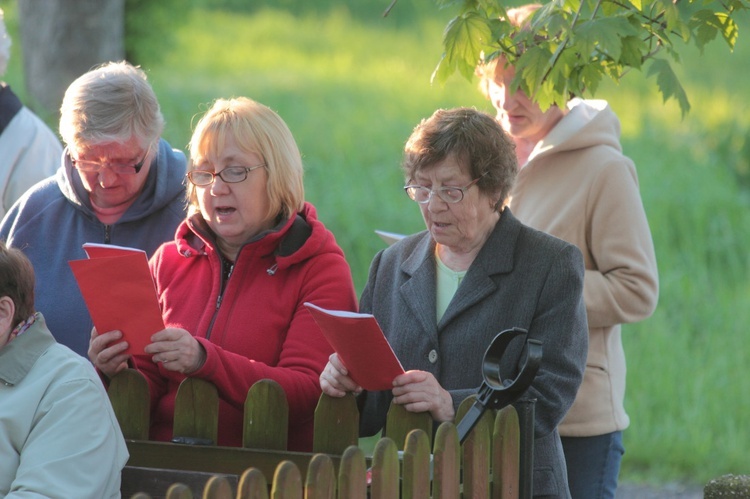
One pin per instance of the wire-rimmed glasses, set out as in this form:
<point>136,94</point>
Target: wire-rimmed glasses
<point>230,175</point>
<point>120,169</point>
<point>449,194</point>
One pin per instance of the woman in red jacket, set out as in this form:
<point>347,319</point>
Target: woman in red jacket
<point>233,282</point>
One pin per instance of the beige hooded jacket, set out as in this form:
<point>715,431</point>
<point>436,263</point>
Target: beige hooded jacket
<point>578,186</point>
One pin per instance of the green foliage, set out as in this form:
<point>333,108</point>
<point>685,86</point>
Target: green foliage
<point>572,45</point>
<point>149,24</point>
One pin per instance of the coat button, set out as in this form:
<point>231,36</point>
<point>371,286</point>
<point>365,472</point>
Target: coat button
<point>432,356</point>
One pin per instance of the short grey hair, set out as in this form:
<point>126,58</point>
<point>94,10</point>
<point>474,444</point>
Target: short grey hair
<point>111,103</point>
<point>4,45</point>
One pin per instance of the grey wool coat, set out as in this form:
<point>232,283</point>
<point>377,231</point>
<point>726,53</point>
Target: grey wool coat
<point>520,278</point>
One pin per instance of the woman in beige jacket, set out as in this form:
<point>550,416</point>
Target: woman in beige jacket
<point>575,183</point>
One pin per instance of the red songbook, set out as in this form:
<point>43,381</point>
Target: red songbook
<point>361,346</point>
<point>119,292</point>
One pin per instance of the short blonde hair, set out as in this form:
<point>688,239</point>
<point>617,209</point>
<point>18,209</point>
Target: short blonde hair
<point>256,129</point>
<point>111,103</point>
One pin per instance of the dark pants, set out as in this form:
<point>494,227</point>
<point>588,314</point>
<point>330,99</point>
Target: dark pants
<point>593,465</point>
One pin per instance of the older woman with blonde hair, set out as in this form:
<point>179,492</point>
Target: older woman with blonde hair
<point>233,282</point>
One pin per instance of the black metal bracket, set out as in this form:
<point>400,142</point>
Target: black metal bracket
<point>494,392</point>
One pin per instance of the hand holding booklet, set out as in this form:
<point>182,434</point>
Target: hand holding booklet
<point>119,292</point>
<point>361,346</point>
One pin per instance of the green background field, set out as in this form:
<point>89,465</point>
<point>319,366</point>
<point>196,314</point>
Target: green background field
<point>352,84</point>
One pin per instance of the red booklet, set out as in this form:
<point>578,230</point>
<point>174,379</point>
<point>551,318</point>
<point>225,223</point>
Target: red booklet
<point>361,346</point>
<point>119,292</point>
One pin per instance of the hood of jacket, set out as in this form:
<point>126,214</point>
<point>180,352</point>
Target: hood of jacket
<point>290,242</point>
<point>165,181</point>
<point>587,123</point>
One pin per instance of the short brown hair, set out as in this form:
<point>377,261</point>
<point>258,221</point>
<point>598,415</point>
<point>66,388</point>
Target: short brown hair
<point>17,281</point>
<point>475,139</point>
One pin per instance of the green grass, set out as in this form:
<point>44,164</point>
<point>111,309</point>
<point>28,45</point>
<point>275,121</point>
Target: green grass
<point>352,85</point>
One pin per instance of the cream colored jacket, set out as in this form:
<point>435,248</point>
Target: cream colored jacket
<point>578,186</point>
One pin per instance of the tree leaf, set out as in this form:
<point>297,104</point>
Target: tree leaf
<point>591,76</point>
<point>442,71</point>
<point>569,46</point>
<point>603,35</point>
<point>730,31</point>
<point>531,68</point>
<point>633,49</point>
<point>465,38</point>
<point>668,84</point>
<point>706,26</point>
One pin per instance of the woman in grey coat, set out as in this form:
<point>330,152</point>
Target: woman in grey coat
<point>443,294</point>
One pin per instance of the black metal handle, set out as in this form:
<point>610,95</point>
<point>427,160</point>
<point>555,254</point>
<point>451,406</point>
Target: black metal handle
<point>494,392</point>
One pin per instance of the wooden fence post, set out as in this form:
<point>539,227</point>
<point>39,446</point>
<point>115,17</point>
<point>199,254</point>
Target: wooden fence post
<point>353,474</point>
<point>217,487</point>
<point>385,470</point>
<point>179,491</point>
<point>266,418</point>
<point>287,482</point>
<point>506,454</point>
<point>196,410</point>
<point>400,422</point>
<point>128,393</point>
<point>446,472</point>
<point>252,485</point>
<point>415,477</point>
<point>476,452</point>
<point>336,424</point>
<point>320,482</point>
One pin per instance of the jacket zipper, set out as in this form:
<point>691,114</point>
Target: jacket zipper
<point>218,299</point>
<point>107,234</point>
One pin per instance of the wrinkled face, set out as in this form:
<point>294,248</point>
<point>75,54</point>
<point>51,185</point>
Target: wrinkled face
<point>517,113</point>
<point>235,211</point>
<point>459,226</point>
<point>107,188</point>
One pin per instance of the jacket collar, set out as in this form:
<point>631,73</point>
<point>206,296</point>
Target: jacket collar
<point>496,257</point>
<point>19,356</point>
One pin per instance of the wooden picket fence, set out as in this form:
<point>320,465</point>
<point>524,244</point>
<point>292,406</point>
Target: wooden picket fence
<point>494,461</point>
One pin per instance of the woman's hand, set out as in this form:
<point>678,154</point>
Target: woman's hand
<point>335,380</point>
<point>177,350</point>
<point>105,354</point>
<point>419,391</point>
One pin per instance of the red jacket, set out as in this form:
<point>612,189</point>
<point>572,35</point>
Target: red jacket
<point>258,328</point>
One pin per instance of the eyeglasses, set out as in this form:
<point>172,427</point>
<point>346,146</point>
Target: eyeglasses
<point>230,175</point>
<point>450,195</point>
<point>120,169</point>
